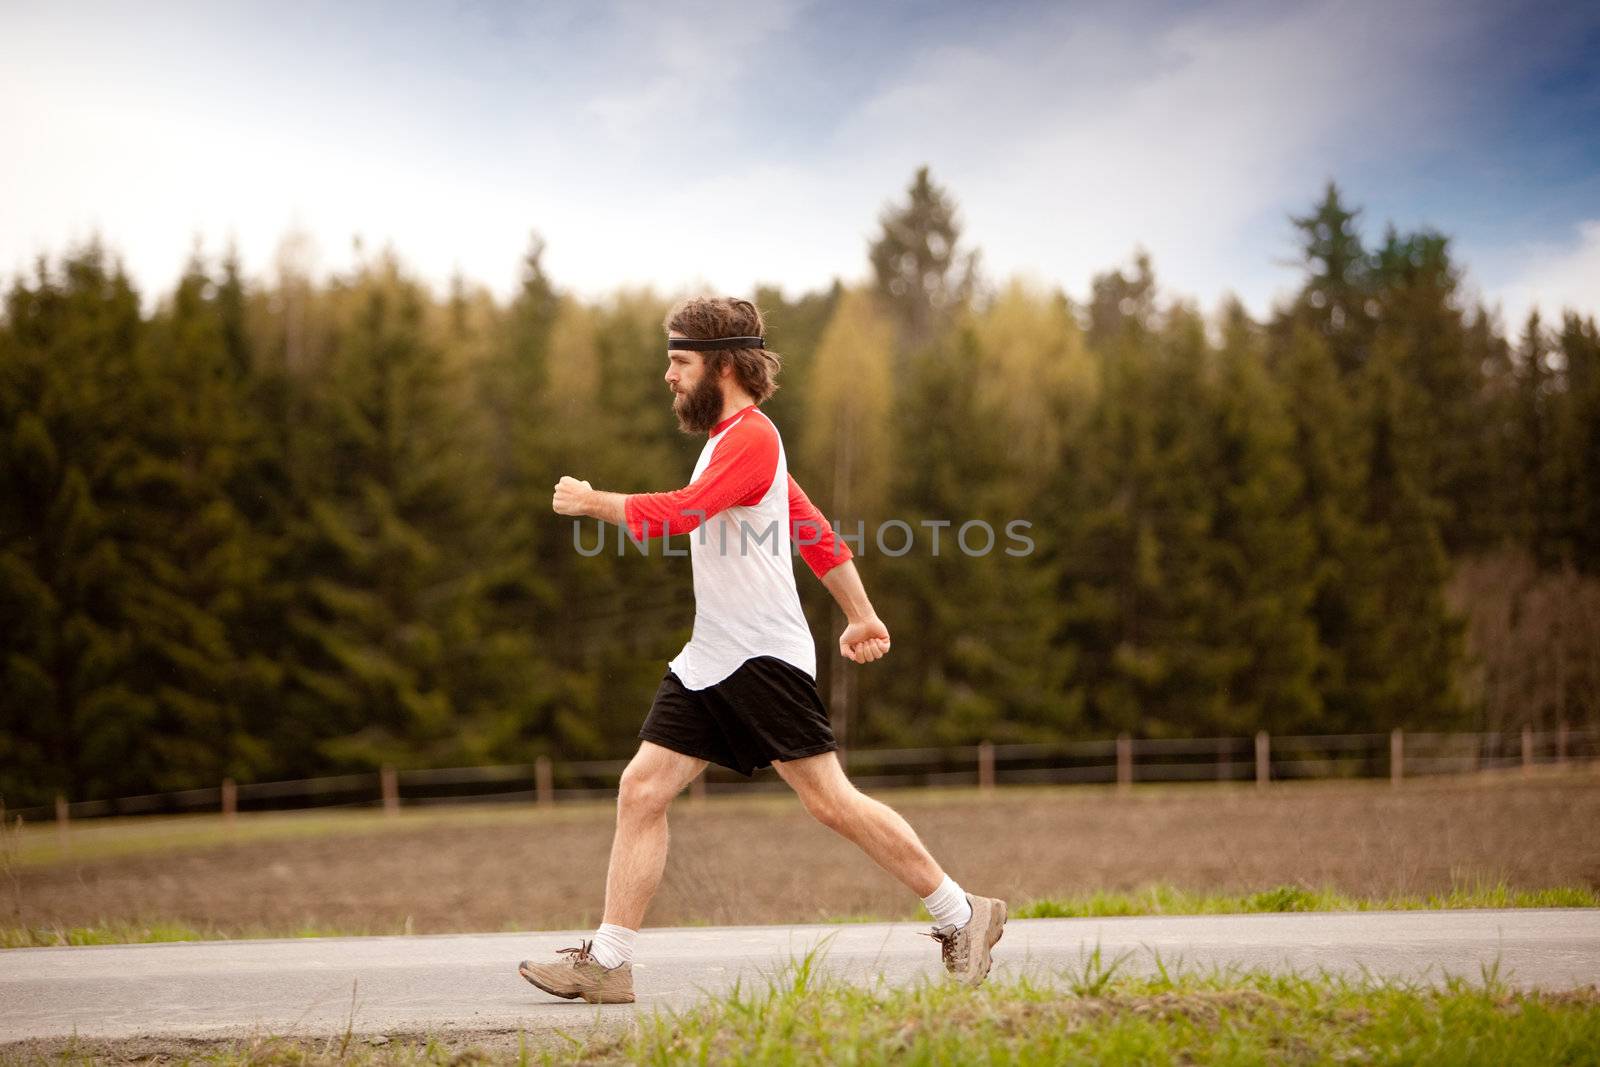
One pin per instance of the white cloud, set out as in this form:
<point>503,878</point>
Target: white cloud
<point>677,60</point>
<point>1068,136</point>
<point>1553,278</point>
<point>1069,144</point>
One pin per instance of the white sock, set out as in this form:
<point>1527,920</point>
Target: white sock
<point>948,905</point>
<point>613,945</point>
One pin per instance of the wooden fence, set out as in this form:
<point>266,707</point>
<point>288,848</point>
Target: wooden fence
<point>1122,761</point>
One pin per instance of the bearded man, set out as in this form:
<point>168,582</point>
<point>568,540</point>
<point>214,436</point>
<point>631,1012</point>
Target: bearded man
<point>742,693</point>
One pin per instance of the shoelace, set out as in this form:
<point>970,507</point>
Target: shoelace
<point>581,953</point>
<point>947,943</point>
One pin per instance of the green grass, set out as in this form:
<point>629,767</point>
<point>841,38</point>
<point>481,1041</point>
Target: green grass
<point>1153,900</point>
<point>129,933</point>
<point>1090,1014</point>
<point>1167,900</point>
<point>1094,1015</point>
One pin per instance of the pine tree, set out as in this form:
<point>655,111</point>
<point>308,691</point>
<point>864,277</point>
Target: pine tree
<point>1263,583</point>
<point>922,271</point>
<point>1330,449</point>
<point>1490,520</point>
<point>1336,300</point>
<point>1414,285</point>
<point>1536,457</point>
<point>203,567</point>
<point>1416,650</point>
<point>386,544</point>
<point>1579,430</point>
<point>1133,572</point>
<point>1033,385</point>
<point>69,718</point>
<point>1407,406</point>
<point>535,703</point>
<point>973,624</point>
<point>1121,302</point>
<point>794,331</point>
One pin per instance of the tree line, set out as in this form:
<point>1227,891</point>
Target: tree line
<point>291,526</point>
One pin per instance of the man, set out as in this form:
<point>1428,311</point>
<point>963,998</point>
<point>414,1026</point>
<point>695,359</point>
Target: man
<point>743,693</point>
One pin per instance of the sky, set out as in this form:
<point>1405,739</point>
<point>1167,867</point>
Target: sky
<point>698,145</point>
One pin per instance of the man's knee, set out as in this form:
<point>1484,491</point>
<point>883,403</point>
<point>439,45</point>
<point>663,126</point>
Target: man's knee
<point>643,794</point>
<point>833,806</point>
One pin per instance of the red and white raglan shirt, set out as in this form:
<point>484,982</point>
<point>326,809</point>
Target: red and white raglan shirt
<point>748,511</point>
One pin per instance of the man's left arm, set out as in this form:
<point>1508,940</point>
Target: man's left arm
<point>865,637</point>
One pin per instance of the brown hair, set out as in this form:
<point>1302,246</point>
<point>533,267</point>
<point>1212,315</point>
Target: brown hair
<point>707,317</point>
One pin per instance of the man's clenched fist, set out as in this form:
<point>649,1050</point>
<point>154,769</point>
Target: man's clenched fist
<point>865,641</point>
<point>570,496</point>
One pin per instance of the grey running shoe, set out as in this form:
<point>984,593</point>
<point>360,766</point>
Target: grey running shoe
<point>580,975</point>
<point>966,951</point>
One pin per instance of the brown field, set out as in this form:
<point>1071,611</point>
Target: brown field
<point>762,859</point>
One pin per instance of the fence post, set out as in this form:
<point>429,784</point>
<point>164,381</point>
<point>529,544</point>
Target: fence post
<point>1124,763</point>
<point>63,823</point>
<point>1397,756</point>
<point>230,801</point>
<point>986,766</point>
<point>544,789</point>
<point>1224,760</point>
<point>1527,750</point>
<point>1563,737</point>
<point>389,781</point>
<point>1263,759</point>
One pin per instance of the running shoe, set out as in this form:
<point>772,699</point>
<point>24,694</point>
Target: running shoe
<point>580,975</point>
<point>966,950</point>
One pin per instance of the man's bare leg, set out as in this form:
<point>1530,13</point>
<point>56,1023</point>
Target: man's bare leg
<point>966,926</point>
<point>652,779</point>
<point>600,969</point>
<point>880,831</point>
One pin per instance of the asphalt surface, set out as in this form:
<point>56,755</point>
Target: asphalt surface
<point>444,983</point>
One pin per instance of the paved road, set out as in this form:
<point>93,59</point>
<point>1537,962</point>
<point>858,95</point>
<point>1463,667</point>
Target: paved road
<point>469,982</point>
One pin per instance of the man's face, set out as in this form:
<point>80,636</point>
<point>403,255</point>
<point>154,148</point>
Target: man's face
<point>696,392</point>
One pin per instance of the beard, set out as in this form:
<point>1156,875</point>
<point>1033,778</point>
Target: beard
<point>700,408</point>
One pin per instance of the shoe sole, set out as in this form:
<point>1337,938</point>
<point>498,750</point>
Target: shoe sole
<point>588,998</point>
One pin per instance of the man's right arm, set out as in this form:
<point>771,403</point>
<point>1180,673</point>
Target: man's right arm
<point>739,472</point>
<point>575,497</point>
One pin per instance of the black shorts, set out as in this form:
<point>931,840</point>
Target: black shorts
<point>766,710</point>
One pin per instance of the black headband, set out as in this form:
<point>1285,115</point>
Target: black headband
<point>698,344</point>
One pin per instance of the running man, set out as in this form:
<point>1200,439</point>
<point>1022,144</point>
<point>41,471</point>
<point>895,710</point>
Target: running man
<point>743,693</point>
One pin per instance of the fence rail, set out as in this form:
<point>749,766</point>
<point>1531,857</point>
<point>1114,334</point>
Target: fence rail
<point>1122,760</point>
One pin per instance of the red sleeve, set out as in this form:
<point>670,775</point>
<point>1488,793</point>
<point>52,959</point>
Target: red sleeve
<point>741,470</point>
<point>818,546</point>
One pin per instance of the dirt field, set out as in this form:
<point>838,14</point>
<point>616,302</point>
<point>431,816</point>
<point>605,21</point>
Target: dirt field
<point>759,860</point>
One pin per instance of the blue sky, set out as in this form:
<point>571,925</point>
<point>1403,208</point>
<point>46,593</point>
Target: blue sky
<point>719,145</point>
